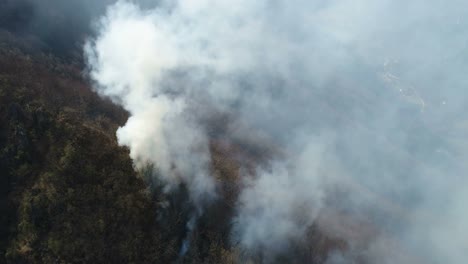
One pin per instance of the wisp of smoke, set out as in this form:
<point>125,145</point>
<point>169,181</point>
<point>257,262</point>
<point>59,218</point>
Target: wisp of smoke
<point>365,99</point>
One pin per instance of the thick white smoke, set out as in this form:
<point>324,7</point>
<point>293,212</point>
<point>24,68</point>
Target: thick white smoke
<point>128,62</point>
<point>365,99</point>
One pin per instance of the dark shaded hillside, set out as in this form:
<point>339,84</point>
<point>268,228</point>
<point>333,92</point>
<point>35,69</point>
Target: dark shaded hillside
<point>69,194</point>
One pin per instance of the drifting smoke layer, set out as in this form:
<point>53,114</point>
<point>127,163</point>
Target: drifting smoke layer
<point>365,99</point>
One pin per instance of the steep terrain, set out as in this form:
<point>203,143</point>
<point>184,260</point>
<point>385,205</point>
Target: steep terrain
<point>69,193</point>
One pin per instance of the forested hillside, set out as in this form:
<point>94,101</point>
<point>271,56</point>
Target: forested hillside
<point>69,193</point>
<point>147,131</point>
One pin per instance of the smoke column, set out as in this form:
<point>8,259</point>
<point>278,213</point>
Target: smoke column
<point>365,99</point>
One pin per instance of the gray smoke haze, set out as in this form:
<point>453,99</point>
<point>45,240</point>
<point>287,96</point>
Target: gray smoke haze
<point>365,99</point>
<point>55,26</point>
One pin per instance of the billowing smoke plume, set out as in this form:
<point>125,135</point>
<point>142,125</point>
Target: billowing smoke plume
<point>364,99</point>
<point>129,62</point>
